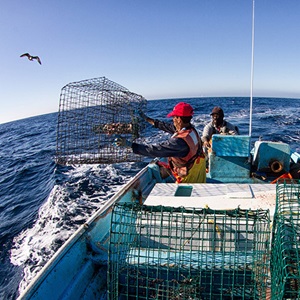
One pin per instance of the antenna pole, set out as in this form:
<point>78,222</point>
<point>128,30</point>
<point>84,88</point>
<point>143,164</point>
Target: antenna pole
<point>252,70</point>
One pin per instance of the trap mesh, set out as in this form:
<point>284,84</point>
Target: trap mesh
<point>92,113</point>
<point>285,259</point>
<point>161,252</point>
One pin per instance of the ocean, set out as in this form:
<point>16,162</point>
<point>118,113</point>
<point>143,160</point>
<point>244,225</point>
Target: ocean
<point>42,204</point>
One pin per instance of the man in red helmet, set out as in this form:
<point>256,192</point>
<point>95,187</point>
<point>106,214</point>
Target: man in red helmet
<point>183,149</point>
<point>217,125</point>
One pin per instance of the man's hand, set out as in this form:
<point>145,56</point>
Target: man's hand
<point>142,115</point>
<point>122,142</point>
<point>206,144</point>
<point>146,118</point>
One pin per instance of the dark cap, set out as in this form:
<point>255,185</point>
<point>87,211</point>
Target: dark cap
<point>217,110</point>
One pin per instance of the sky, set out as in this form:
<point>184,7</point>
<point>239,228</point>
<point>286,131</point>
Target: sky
<point>159,49</point>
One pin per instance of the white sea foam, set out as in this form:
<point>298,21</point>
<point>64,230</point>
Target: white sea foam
<point>68,206</point>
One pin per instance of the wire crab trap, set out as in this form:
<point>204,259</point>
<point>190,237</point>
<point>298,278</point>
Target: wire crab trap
<point>285,258</point>
<point>92,113</point>
<point>161,252</point>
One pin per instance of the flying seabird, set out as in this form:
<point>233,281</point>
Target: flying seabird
<point>30,57</point>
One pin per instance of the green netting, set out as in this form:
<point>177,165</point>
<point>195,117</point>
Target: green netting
<point>92,114</point>
<point>285,259</point>
<point>161,252</point>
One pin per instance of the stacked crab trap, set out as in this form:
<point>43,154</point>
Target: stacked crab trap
<point>92,113</point>
<point>285,260</point>
<point>159,252</point>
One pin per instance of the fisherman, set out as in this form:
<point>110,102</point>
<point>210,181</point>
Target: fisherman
<point>217,125</point>
<point>183,149</point>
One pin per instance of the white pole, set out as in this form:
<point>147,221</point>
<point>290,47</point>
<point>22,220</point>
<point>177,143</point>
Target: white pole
<point>252,70</point>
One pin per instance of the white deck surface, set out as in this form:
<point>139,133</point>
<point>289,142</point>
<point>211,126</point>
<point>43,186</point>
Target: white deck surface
<point>216,196</point>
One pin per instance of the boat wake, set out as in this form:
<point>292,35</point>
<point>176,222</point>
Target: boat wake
<point>70,204</point>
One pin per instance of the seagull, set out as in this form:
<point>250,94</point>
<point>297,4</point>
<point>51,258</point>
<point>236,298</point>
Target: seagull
<point>30,57</point>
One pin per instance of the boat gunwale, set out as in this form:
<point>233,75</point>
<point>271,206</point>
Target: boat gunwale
<point>29,291</point>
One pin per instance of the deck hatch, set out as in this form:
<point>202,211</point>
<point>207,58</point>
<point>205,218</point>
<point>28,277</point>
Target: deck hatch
<point>183,191</point>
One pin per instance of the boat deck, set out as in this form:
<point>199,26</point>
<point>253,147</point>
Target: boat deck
<point>215,196</point>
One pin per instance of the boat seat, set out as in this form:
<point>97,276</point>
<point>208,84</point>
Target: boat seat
<point>228,159</point>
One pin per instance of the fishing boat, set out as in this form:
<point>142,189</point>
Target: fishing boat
<point>159,240</point>
<point>233,237</point>
<point>156,239</point>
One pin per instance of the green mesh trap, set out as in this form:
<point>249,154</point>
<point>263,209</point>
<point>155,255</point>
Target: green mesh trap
<point>92,113</point>
<point>285,259</point>
<point>161,252</point>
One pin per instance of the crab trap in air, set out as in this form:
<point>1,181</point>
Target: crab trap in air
<point>92,114</point>
<point>285,259</point>
<point>159,252</point>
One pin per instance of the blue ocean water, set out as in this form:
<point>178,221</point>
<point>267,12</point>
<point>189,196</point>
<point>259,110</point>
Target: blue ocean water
<point>42,204</point>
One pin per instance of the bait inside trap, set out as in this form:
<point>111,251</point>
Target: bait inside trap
<point>92,114</point>
<point>159,252</point>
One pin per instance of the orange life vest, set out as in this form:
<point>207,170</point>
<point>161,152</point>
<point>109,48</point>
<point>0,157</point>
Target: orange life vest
<point>181,165</point>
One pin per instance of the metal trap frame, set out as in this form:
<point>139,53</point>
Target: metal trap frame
<point>92,113</point>
<point>159,252</point>
<point>285,258</point>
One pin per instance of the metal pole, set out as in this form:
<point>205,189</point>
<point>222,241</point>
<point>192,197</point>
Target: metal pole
<point>252,70</point>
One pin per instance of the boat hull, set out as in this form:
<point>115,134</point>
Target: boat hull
<point>79,269</point>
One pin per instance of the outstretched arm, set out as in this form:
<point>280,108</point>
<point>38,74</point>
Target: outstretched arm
<point>168,127</point>
<point>146,118</point>
<point>172,148</point>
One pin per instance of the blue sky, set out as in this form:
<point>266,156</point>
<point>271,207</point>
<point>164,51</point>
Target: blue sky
<point>159,49</point>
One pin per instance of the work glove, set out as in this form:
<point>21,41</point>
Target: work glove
<point>122,142</point>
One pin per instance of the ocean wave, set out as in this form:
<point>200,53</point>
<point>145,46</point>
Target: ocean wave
<point>85,189</point>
